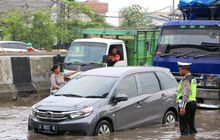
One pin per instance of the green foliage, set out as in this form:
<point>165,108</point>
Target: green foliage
<point>134,16</point>
<point>69,25</point>
<point>37,26</point>
<point>42,31</point>
<point>13,25</point>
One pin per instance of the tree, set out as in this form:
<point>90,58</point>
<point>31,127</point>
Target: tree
<point>43,30</point>
<point>13,25</point>
<point>70,22</point>
<point>134,16</point>
<point>37,26</point>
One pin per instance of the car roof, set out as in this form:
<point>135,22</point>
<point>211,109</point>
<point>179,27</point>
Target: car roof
<point>99,40</point>
<point>120,71</point>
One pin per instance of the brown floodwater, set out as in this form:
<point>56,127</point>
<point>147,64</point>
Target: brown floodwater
<point>14,117</point>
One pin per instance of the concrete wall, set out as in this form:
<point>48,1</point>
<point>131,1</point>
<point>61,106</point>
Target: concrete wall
<point>21,76</point>
<point>40,71</point>
<point>5,73</point>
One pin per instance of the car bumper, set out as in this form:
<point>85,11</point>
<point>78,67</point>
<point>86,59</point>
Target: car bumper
<point>81,126</point>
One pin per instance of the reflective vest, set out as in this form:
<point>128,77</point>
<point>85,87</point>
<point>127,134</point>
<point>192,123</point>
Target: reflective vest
<point>193,90</point>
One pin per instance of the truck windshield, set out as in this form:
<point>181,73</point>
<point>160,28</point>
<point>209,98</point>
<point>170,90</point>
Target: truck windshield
<point>188,42</point>
<point>86,52</point>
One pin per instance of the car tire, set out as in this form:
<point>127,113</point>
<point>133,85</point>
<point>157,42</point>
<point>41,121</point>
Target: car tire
<point>30,128</point>
<point>103,128</point>
<point>169,118</point>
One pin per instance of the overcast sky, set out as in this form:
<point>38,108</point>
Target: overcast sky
<point>151,5</point>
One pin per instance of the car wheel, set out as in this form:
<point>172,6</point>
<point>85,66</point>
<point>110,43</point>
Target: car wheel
<point>103,128</point>
<point>30,128</point>
<point>169,118</point>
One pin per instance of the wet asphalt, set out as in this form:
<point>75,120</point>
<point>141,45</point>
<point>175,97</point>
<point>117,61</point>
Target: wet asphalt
<point>14,119</point>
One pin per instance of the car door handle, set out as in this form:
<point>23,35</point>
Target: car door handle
<point>139,104</point>
<point>163,96</point>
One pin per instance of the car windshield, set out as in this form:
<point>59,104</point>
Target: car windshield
<point>88,86</point>
<point>86,52</point>
<point>188,42</point>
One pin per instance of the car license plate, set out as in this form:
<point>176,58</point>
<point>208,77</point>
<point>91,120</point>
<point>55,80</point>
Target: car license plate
<point>47,128</point>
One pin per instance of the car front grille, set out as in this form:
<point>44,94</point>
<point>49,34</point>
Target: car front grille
<point>50,115</point>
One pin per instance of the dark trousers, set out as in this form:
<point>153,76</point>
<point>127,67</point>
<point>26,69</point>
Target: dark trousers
<point>187,121</point>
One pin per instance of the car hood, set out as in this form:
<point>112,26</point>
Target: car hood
<point>62,103</point>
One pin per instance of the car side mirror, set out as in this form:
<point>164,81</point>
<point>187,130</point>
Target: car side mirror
<point>213,35</point>
<point>119,97</point>
<point>105,58</point>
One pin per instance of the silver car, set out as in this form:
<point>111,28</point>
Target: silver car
<point>104,100</point>
<point>16,46</point>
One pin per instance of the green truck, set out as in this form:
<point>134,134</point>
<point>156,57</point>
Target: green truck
<point>132,44</point>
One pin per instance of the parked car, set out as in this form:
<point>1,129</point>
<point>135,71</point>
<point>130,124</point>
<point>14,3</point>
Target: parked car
<point>104,100</point>
<point>16,46</point>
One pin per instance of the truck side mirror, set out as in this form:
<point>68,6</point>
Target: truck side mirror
<point>105,58</point>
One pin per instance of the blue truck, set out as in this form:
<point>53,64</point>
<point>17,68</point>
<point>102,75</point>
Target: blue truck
<point>195,39</point>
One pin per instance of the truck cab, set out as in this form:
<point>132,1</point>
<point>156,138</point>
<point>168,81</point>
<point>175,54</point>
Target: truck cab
<point>92,53</point>
<point>196,40</point>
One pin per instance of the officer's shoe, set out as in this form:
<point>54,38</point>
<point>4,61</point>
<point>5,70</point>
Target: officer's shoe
<point>193,132</point>
<point>184,134</point>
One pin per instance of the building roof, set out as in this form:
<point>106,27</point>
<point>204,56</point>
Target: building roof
<point>29,4</point>
<point>98,7</point>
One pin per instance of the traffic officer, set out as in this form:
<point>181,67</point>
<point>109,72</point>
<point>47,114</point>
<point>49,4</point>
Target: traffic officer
<point>186,99</point>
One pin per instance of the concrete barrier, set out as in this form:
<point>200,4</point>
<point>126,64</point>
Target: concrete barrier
<point>5,73</point>
<point>23,75</point>
<point>40,71</point>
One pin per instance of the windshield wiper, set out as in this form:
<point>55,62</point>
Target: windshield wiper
<point>94,96</point>
<point>210,45</point>
<point>168,54</point>
<point>203,55</point>
<point>75,62</point>
<point>184,54</point>
<point>68,95</point>
<point>96,63</point>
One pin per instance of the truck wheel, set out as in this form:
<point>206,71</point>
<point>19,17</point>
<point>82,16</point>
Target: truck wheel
<point>169,118</point>
<point>103,128</point>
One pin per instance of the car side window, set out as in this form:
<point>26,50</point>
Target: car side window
<point>128,86</point>
<point>148,82</point>
<point>166,81</point>
<point>19,46</point>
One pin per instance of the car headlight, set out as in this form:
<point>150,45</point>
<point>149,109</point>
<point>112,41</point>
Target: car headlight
<point>33,110</point>
<point>81,113</point>
<point>212,84</point>
<point>213,81</point>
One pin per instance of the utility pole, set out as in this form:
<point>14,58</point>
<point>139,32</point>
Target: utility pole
<point>26,11</point>
<point>173,9</point>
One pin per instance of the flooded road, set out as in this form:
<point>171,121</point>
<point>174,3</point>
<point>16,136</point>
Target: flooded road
<point>14,117</point>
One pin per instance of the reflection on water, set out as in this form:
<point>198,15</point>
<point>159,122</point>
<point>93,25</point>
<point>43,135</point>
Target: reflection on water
<point>14,116</point>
